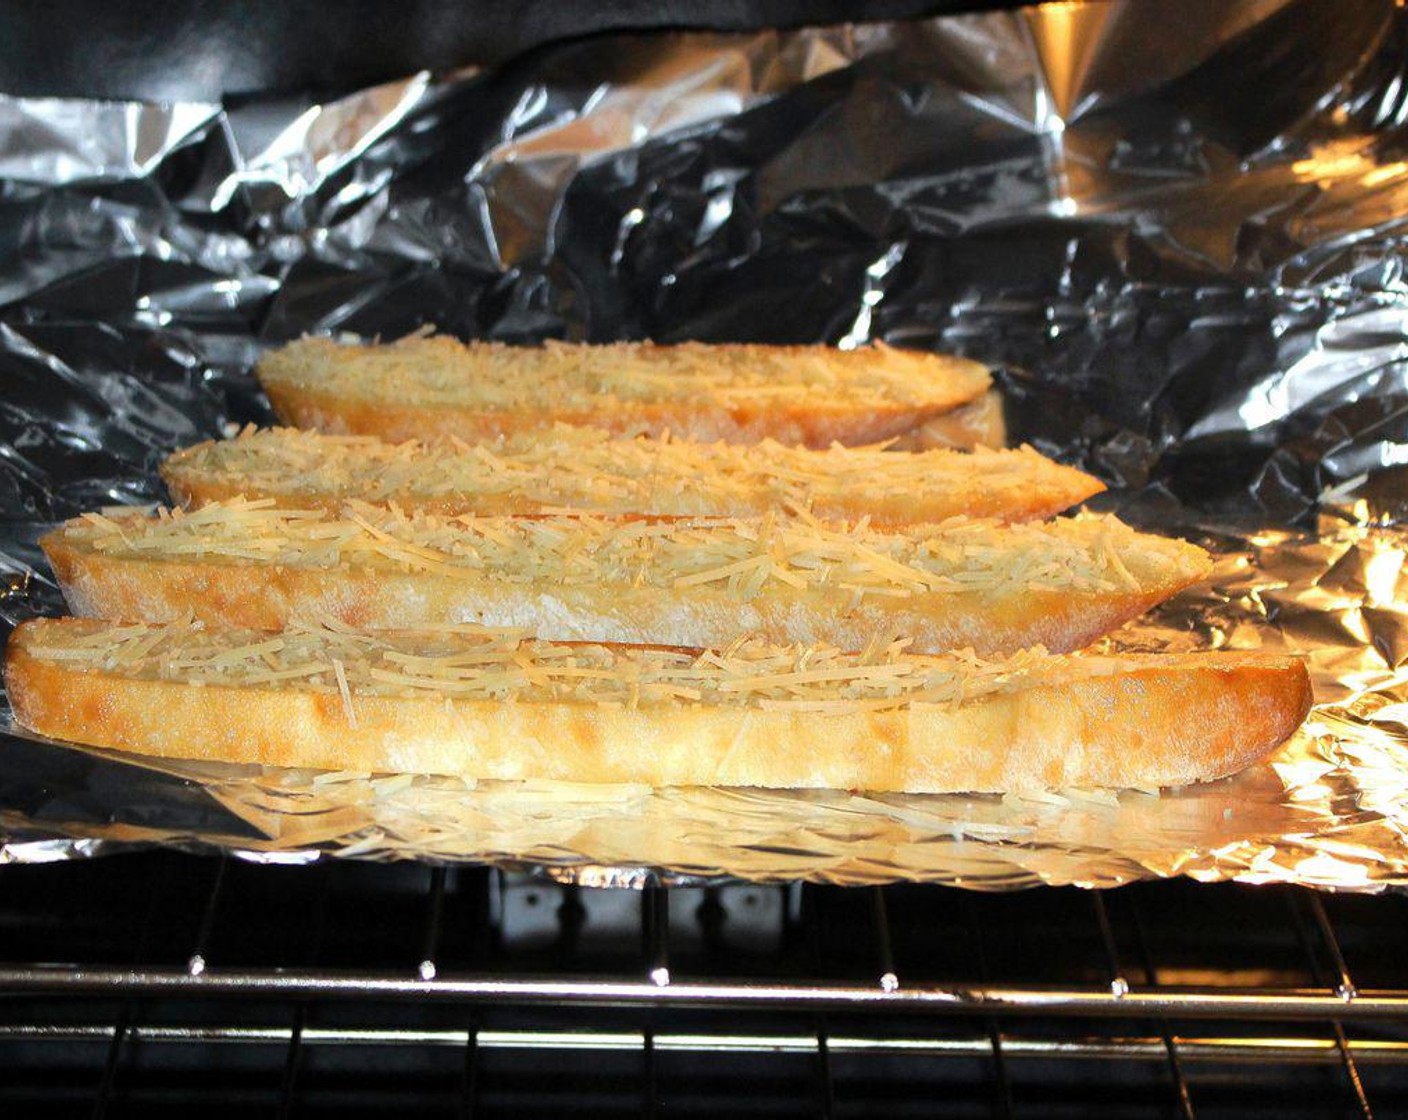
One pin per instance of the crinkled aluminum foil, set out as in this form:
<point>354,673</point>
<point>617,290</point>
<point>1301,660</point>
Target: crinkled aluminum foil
<point>1192,291</point>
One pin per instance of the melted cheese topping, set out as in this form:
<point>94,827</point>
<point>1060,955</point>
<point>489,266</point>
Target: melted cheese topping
<point>564,376</point>
<point>741,557</point>
<point>584,468</point>
<point>474,663</point>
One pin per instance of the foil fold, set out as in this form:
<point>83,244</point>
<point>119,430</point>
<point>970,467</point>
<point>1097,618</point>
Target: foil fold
<point>1196,294</point>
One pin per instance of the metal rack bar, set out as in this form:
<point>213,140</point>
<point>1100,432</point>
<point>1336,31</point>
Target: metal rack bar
<point>990,999</point>
<point>488,882</point>
<point>293,1060</point>
<point>291,1065</point>
<point>655,930</point>
<point>108,1082</point>
<point>109,1078</point>
<point>196,962</point>
<point>889,978</point>
<point>826,1103</point>
<point>648,1060</point>
<point>1183,1097</point>
<point>430,947</point>
<point>1343,986</point>
<point>820,1043</point>
<point>469,1089</point>
<point>1002,1098</point>
<point>1351,1069</point>
<point>1119,985</point>
<point>1143,1048</point>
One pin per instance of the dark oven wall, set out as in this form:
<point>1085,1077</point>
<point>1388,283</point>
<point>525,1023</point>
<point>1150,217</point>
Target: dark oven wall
<point>199,50</point>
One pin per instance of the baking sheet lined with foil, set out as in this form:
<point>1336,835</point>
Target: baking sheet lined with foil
<point>1193,292</point>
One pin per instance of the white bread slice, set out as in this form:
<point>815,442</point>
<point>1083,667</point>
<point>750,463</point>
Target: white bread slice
<point>698,582</point>
<point>587,469</point>
<point>492,706</point>
<point>424,388</point>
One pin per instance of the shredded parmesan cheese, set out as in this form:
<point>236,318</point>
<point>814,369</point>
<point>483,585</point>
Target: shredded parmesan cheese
<point>742,558</point>
<point>469,663</point>
<point>585,469</point>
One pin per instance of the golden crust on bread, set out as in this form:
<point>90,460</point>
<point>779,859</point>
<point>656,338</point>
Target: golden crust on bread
<point>587,469</point>
<point>702,582</point>
<point>421,388</point>
<point>493,705</point>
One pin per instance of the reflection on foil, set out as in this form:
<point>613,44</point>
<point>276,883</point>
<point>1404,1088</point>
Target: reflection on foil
<point>1195,294</point>
<point>1330,808</point>
<point>52,140</point>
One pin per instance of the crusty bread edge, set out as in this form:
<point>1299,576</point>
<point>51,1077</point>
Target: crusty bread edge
<point>805,425</point>
<point>315,400</point>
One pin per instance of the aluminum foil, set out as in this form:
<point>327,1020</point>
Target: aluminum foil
<point>1193,290</point>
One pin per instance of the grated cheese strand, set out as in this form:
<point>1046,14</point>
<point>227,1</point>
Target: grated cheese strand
<point>742,557</point>
<point>575,468</point>
<point>340,671</point>
<point>473,663</point>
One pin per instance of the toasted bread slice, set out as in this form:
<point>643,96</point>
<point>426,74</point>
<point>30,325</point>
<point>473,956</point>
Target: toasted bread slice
<point>424,388</point>
<point>491,705</point>
<point>693,583</point>
<point>587,469</point>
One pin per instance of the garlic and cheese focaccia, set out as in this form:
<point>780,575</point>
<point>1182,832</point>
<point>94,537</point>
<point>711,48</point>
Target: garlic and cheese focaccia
<point>422,388</point>
<point>491,705</point>
<point>588,469</point>
<point>963,583</point>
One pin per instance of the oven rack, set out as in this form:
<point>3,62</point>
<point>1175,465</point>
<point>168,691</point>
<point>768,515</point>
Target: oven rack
<point>338,985</point>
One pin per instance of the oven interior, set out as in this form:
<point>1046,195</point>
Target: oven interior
<point>160,983</point>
